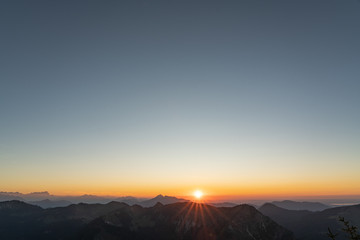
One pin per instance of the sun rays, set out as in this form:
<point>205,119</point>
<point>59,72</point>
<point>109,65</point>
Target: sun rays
<point>200,214</point>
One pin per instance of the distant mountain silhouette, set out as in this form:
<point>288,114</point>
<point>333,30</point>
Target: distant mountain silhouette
<point>292,205</point>
<point>128,200</point>
<point>185,221</point>
<point>19,220</point>
<point>46,200</point>
<point>34,196</point>
<point>308,225</point>
<point>4,196</point>
<point>51,203</point>
<point>87,198</point>
<point>161,199</point>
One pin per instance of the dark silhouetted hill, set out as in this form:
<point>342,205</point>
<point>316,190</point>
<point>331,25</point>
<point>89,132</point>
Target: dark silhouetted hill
<point>288,218</point>
<point>308,225</point>
<point>19,220</point>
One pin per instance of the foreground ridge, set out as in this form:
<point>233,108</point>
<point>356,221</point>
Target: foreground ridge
<point>115,220</point>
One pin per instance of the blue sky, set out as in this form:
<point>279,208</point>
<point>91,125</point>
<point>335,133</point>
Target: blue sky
<point>169,89</point>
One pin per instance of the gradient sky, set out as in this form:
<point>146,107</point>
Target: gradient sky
<point>237,98</point>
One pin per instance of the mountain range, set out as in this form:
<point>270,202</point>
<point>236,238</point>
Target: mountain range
<point>46,200</point>
<point>169,216</point>
<point>183,220</point>
<point>34,196</point>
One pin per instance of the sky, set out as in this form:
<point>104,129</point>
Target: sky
<point>236,98</point>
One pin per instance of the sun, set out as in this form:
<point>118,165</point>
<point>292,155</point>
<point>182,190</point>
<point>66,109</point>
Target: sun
<point>198,194</point>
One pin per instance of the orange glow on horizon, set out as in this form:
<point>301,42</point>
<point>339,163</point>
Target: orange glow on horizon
<point>213,193</point>
<point>215,190</point>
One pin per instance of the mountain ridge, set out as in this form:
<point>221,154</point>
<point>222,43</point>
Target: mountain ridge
<point>19,220</point>
<point>185,220</point>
